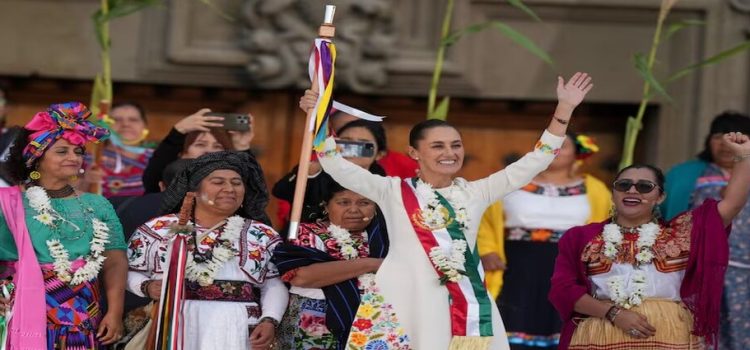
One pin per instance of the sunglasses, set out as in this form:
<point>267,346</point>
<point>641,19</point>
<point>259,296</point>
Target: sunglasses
<point>642,186</point>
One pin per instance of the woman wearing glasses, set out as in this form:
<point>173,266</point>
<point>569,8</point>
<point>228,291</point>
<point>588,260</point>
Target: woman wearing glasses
<point>635,282</point>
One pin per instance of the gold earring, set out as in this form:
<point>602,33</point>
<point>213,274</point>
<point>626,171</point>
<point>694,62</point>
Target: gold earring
<point>35,175</point>
<point>74,178</point>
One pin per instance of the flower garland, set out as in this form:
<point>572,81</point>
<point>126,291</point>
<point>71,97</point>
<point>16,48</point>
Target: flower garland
<point>344,240</point>
<point>204,273</point>
<point>40,202</point>
<point>617,292</point>
<point>451,266</point>
<point>436,216</point>
<point>612,235</point>
<point>647,234</point>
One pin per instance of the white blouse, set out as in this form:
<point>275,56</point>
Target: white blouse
<point>659,285</point>
<point>540,211</point>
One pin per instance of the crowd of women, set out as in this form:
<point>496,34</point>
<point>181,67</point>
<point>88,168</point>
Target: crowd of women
<point>394,251</point>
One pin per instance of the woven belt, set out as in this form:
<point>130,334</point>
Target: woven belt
<point>532,235</point>
<point>223,290</point>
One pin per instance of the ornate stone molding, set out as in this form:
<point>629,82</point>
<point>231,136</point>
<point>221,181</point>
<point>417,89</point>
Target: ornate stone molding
<point>277,36</point>
<point>740,5</point>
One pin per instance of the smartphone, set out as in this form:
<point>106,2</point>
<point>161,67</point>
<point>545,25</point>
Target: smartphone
<point>356,149</point>
<point>233,121</point>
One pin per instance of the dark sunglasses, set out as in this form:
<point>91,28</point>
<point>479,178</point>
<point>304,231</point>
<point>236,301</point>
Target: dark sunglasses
<point>642,186</point>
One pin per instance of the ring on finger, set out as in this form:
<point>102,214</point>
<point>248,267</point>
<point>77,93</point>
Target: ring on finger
<point>634,332</point>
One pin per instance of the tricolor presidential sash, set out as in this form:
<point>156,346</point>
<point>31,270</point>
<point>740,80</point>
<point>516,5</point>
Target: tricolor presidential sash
<point>471,308</point>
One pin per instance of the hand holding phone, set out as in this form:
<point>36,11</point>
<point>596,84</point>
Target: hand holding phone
<point>233,121</point>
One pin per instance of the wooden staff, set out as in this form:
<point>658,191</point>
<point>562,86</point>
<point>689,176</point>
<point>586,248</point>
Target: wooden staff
<point>326,31</point>
<point>97,149</point>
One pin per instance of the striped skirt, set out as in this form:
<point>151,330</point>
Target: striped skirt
<point>73,313</point>
<point>673,323</point>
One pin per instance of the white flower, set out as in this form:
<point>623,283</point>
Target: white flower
<point>610,250</point>
<point>612,233</point>
<point>349,252</point>
<point>452,264</point>
<point>647,234</point>
<point>45,218</point>
<point>644,256</point>
<point>38,198</point>
<point>204,273</point>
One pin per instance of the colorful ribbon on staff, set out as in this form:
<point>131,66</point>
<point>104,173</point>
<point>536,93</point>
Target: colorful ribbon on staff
<point>321,66</point>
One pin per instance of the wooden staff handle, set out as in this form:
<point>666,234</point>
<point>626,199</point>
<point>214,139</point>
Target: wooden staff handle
<point>326,30</point>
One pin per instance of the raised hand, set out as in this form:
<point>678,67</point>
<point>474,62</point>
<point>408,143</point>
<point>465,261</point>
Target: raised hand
<point>242,140</point>
<point>738,143</point>
<point>573,92</point>
<point>307,101</point>
<point>198,121</point>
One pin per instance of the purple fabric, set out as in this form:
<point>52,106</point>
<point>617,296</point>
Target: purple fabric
<point>703,284</point>
<point>28,328</point>
<point>701,287</point>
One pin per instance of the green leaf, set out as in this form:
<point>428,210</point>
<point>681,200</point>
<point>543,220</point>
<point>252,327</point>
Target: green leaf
<point>676,27</point>
<point>441,111</point>
<point>709,61</point>
<point>521,6</point>
<point>122,8</point>
<point>642,66</point>
<point>508,32</point>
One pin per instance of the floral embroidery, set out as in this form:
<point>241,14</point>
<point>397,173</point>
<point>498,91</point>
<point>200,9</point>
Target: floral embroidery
<point>318,236</point>
<point>376,326</point>
<point>223,290</point>
<point>670,249</point>
<point>545,148</point>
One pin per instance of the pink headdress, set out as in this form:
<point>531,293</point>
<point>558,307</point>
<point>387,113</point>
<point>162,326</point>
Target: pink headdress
<point>64,120</point>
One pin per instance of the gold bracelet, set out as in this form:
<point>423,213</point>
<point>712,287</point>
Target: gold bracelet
<point>560,120</point>
<point>740,158</point>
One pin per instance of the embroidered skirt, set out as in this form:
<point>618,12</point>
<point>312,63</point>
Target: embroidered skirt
<point>304,326</point>
<point>673,323</point>
<point>73,313</point>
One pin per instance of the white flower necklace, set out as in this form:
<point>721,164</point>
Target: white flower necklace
<point>436,217</point>
<point>204,273</point>
<point>612,235</point>
<point>40,202</point>
<point>434,214</point>
<point>344,240</point>
<point>451,265</point>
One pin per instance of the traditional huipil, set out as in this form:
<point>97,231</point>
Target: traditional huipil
<point>429,231</point>
<point>230,283</point>
<point>321,318</point>
<point>671,272</point>
<point>218,313</point>
<point>122,173</point>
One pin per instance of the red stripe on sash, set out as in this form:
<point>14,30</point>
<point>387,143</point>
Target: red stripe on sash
<point>458,303</point>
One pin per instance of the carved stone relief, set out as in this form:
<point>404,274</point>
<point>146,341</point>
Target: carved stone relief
<point>277,35</point>
<point>740,5</point>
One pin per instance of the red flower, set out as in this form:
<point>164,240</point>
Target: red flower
<point>362,324</point>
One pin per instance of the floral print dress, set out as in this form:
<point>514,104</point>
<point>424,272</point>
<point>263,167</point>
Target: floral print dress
<point>304,324</point>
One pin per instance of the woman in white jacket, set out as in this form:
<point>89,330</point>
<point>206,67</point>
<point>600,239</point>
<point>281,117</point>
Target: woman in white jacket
<point>429,291</point>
